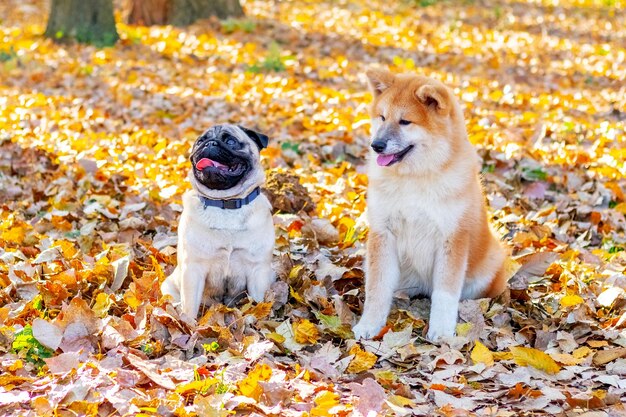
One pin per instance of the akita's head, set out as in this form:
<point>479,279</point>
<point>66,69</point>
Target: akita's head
<point>417,124</point>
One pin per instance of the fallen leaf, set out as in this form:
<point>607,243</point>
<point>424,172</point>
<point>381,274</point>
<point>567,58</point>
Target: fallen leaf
<point>525,356</point>
<point>305,332</point>
<point>464,403</point>
<point>608,296</point>
<point>362,360</point>
<point>249,386</point>
<point>481,354</point>
<point>152,371</point>
<point>370,396</point>
<point>571,300</point>
<point>602,357</point>
<point>200,386</point>
<point>324,402</point>
<point>48,334</point>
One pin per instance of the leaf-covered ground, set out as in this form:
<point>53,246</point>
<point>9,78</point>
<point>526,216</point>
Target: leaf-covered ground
<point>93,159</point>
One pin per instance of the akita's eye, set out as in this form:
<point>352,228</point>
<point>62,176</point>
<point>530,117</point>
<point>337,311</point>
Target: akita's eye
<point>382,117</point>
<point>404,122</point>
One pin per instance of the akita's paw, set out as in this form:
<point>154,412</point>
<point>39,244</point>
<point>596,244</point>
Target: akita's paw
<point>438,329</point>
<point>366,329</point>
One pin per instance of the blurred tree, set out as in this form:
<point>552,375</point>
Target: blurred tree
<point>88,21</point>
<point>181,12</point>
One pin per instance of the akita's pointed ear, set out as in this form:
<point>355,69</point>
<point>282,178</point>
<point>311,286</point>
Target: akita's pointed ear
<point>379,80</point>
<point>434,97</point>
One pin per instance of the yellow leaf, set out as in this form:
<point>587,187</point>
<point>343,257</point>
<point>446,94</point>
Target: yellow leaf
<point>571,300</point>
<point>249,386</point>
<point>131,299</point>
<point>14,235</point>
<point>525,356</point>
<point>482,354</point>
<point>275,337</point>
<point>462,329</point>
<point>305,332</point>
<point>581,352</point>
<point>401,401</point>
<point>196,386</point>
<point>362,360</point>
<point>102,305</point>
<point>296,296</point>
<point>511,266</point>
<point>502,356</point>
<point>324,401</point>
<point>18,364</point>
<point>84,408</point>
<point>67,248</point>
<point>261,310</point>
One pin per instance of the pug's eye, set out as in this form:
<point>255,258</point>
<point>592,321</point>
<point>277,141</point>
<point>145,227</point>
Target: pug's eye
<point>382,117</point>
<point>404,122</point>
<point>231,142</point>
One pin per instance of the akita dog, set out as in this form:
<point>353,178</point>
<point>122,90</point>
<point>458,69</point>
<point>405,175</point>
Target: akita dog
<point>429,232</point>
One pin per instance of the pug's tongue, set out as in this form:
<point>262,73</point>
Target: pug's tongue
<point>384,160</point>
<point>206,162</point>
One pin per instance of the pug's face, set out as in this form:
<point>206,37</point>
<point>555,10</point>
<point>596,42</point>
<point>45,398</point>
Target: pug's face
<point>224,156</point>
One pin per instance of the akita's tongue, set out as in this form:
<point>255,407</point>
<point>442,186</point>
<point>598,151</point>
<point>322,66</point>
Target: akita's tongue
<point>206,162</point>
<point>384,160</point>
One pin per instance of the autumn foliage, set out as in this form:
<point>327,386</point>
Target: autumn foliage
<point>93,160</point>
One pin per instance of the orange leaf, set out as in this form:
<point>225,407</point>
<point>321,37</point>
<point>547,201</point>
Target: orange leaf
<point>249,386</point>
<point>362,360</point>
<point>305,332</point>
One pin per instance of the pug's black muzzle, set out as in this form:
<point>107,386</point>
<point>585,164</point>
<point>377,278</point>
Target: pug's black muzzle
<point>225,167</point>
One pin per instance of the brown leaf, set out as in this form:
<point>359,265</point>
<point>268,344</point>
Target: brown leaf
<point>605,356</point>
<point>151,370</point>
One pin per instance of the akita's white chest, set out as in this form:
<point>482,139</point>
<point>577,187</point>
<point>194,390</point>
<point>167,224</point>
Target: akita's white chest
<point>421,220</point>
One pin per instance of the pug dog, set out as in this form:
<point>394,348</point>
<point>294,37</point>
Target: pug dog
<point>225,234</point>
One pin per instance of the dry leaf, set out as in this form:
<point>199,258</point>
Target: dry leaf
<point>305,332</point>
<point>362,360</point>
<point>249,386</point>
<point>605,356</point>
<point>571,300</point>
<point>481,354</point>
<point>525,356</point>
<point>324,402</point>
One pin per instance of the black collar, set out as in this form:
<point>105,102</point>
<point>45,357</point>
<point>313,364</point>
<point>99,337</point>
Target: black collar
<point>231,204</point>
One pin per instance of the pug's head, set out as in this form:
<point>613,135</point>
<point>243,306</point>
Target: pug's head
<point>225,161</point>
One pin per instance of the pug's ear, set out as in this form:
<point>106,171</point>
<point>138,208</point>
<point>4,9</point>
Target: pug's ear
<point>260,139</point>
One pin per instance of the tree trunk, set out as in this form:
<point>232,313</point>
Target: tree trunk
<point>149,12</point>
<point>88,21</point>
<point>181,12</point>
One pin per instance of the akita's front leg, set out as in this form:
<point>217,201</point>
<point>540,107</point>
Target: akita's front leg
<point>381,281</point>
<point>448,278</point>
